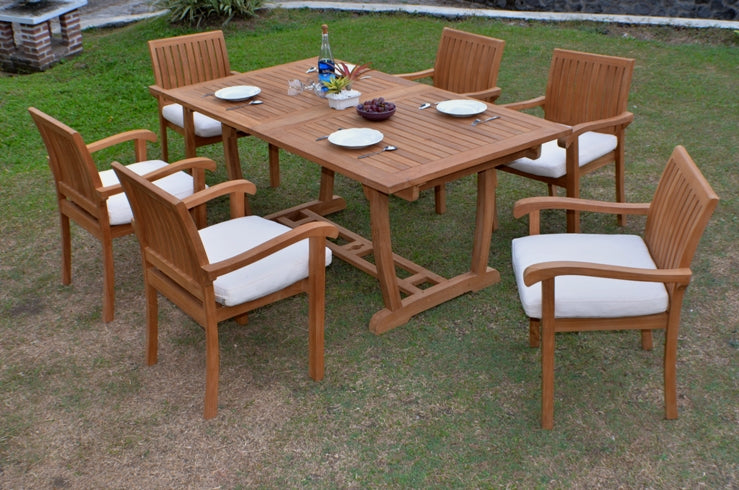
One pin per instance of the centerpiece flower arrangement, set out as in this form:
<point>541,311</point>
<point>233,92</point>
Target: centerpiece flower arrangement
<point>339,90</point>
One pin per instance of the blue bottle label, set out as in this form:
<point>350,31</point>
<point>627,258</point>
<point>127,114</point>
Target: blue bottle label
<point>325,71</point>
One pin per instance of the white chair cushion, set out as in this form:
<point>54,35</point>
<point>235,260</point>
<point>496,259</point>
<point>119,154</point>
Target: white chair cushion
<point>552,162</point>
<point>205,126</point>
<point>272,273</point>
<point>119,211</point>
<point>589,297</point>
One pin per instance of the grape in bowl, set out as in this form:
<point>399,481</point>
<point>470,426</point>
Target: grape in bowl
<point>377,109</point>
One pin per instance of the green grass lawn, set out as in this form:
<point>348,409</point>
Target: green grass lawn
<point>449,400</point>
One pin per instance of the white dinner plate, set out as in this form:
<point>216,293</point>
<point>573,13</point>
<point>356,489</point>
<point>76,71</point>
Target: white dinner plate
<point>237,93</point>
<point>355,137</point>
<point>461,107</point>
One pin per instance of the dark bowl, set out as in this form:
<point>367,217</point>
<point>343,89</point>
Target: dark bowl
<point>375,116</point>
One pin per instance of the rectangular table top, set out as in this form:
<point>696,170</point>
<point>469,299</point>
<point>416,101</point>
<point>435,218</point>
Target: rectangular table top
<point>432,147</point>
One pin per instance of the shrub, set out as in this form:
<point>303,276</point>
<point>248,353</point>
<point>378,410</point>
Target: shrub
<point>195,12</point>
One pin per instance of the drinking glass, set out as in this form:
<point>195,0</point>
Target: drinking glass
<point>297,87</point>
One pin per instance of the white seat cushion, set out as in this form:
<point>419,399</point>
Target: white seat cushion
<point>119,211</point>
<point>272,273</point>
<point>205,126</point>
<point>552,162</point>
<point>589,297</point>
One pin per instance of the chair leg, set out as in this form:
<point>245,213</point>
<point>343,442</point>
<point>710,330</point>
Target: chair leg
<point>670,379</point>
<point>152,324</point>
<point>212,362</point>
<point>547,377</point>
<point>619,171</point>
<point>108,277</point>
<point>163,138</point>
<point>534,332</point>
<point>670,356</point>
<point>646,340</point>
<point>440,197</point>
<point>573,217</point>
<point>66,250</point>
<point>199,213</point>
<point>547,354</point>
<point>316,308</point>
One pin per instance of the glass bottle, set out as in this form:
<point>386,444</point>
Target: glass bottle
<point>326,64</point>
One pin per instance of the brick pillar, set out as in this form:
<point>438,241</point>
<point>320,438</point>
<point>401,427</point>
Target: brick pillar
<point>71,31</point>
<point>36,45</point>
<point>7,43</point>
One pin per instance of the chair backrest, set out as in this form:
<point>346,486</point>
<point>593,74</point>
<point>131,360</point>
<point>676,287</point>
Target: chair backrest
<point>74,170</point>
<point>166,231</point>
<point>467,62</point>
<point>193,58</point>
<point>682,205</point>
<point>586,87</point>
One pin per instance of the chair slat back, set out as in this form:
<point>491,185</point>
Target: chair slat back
<point>75,174</point>
<point>193,58</point>
<point>586,87</point>
<point>467,62</point>
<point>682,205</point>
<point>166,231</point>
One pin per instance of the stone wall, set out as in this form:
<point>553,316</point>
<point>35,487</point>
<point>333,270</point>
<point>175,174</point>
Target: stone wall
<point>699,9</point>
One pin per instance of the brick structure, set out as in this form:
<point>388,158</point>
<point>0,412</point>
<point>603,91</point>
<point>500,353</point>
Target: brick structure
<point>71,32</point>
<point>7,44</point>
<point>27,40</point>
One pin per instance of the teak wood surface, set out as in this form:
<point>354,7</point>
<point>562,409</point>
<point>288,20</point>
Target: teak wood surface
<point>433,148</point>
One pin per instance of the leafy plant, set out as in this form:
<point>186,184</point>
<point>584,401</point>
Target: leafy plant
<point>346,77</point>
<point>195,12</point>
<point>352,73</point>
<point>337,84</point>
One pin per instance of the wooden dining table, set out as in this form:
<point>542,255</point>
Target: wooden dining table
<point>432,148</point>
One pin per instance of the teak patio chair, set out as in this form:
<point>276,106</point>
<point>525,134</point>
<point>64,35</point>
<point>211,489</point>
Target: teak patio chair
<point>95,200</point>
<point>189,59</point>
<point>227,269</point>
<point>590,93</point>
<point>582,282</point>
<point>468,64</point>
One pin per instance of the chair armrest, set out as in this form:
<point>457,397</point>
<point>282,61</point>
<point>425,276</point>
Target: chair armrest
<point>547,270</point>
<point>111,190</point>
<point>533,205</point>
<point>525,104</point>
<point>316,229</point>
<point>236,189</point>
<point>155,90</point>
<point>622,120</point>
<point>428,72</point>
<point>186,164</point>
<point>138,136</point>
<point>528,205</point>
<point>181,165</point>
<point>488,95</point>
